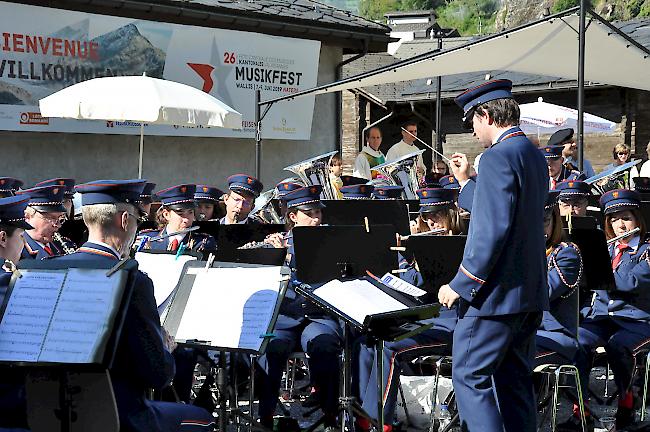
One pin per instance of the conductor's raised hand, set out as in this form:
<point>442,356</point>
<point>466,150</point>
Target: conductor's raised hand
<point>447,296</point>
<point>460,166</point>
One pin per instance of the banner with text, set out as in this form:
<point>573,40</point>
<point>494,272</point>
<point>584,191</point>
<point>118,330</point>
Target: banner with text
<point>43,50</point>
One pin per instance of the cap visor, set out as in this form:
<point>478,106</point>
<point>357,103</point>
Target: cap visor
<point>434,208</point>
<point>50,208</point>
<point>21,224</point>
<point>182,206</point>
<point>310,206</point>
<point>620,208</point>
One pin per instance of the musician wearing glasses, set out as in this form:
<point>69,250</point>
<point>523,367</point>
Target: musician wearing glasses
<point>59,241</point>
<point>619,320</point>
<point>302,326</point>
<point>501,284</point>
<point>407,146</point>
<point>46,214</point>
<point>370,156</point>
<point>572,198</point>
<point>240,200</point>
<point>175,216</point>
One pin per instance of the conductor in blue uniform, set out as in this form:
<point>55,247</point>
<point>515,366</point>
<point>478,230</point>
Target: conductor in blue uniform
<point>501,283</point>
<point>143,358</point>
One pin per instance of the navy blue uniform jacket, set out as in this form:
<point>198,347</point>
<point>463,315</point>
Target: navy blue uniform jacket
<point>504,264</point>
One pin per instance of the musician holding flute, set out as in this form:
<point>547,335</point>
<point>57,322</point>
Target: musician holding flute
<point>501,284</point>
<point>619,320</point>
<point>438,211</point>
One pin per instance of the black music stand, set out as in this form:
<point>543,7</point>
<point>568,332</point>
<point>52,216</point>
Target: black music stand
<point>346,252</point>
<point>580,222</point>
<point>210,227</point>
<point>595,257</point>
<point>438,259</point>
<point>342,251</point>
<point>379,328</point>
<point>378,212</point>
<point>104,348</point>
<point>233,236</point>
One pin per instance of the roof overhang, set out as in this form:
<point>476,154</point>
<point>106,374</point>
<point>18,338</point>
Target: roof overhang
<point>352,40</point>
<point>546,47</point>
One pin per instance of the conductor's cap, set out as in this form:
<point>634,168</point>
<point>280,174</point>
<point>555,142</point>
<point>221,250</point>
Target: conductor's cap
<point>111,192</point>
<point>485,92</point>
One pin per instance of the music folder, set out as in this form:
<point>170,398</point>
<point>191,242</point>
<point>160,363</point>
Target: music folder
<point>438,259</point>
<point>165,269</point>
<point>58,314</point>
<point>233,236</point>
<point>226,306</point>
<point>595,257</point>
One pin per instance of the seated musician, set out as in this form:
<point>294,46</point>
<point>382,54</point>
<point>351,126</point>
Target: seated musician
<point>60,242</point>
<point>207,199</point>
<point>619,320</point>
<point>143,357</point>
<point>357,191</point>
<point>557,335</point>
<point>434,341</point>
<point>9,186</point>
<point>301,326</point>
<point>240,199</point>
<point>45,213</point>
<point>13,409</point>
<point>557,171</point>
<point>572,198</point>
<point>175,215</point>
<point>449,182</point>
<point>438,211</point>
<point>146,198</point>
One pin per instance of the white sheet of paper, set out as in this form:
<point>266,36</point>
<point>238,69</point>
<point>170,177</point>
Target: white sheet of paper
<point>164,270</point>
<point>402,286</point>
<point>357,298</point>
<point>81,318</point>
<point>230,306</point>
<point>28,314</point>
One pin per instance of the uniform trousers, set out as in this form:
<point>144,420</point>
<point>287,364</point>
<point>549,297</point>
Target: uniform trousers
<point>322,344</point>
<point>555,348</point>
<point>492,372</point>
<point>429,342</point>
<point>620,337</point>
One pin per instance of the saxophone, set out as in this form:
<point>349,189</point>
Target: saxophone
<point>60,240</point>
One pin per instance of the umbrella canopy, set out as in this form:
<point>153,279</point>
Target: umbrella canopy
<point>142,99</point>
<point>545,118</point>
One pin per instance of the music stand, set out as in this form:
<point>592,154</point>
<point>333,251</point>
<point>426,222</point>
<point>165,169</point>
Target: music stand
<point>342,251</point>
<point>210,227</point>
<point>63,350</point>
<point>377,212</point>
<point>580,222</point>
<point>262,256</point>
<point>595,257</point>
<point>438,259</point>
<point>233,236</point>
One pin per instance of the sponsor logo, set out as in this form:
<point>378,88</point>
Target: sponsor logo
<point>33,118</point>
<point>128,123</point>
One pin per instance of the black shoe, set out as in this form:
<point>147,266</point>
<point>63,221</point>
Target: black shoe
<point>624,417</point>
<point>573,423</point>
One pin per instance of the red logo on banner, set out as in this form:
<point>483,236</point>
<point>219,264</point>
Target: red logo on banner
<point>205,72</point>
<point>33,118</point>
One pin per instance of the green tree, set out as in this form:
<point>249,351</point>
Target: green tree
<point>561,5</point>
<point>375,9</point>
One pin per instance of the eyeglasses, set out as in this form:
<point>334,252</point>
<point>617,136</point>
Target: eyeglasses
<point>244,202</point>
<point>58,221</point>
<point>579,202</point>
<point>139,219</point>
<point>622,153</point>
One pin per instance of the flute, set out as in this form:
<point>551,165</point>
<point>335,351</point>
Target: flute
<point>627,234</point>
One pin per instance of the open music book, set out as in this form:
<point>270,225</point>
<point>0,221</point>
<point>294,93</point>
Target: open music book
<point>229,305</point>
<point>60,316</point>
<point>164,269</point>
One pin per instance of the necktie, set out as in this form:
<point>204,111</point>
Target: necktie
<point>619,254</point>
<point>173,245</point>
<point>47,249</point>
<point>553,183</point>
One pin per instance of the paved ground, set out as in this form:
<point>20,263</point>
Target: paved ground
<point>597,383</point>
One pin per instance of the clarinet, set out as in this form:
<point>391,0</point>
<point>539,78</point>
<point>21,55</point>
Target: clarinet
<point>59,239</point>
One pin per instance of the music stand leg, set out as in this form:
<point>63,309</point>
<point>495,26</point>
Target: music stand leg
<point>64,413</point>
<point>251,392</point>
<point>221,387</point>
<point>379,353</point>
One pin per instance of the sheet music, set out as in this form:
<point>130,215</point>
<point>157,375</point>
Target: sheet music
<point>230,306</point>
<point>357,298</point>
<point>164,270</point>
<point>81,319</point>
<point>402,286</point>
<point>28,313</point>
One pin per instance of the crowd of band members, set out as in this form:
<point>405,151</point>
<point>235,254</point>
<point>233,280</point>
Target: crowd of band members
<point>617,320</point>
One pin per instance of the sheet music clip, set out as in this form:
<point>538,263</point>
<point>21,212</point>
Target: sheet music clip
<point>398,248</point>
<point>345,269</point>
<point>398,271</point>
<point>117,266</point>
<point>208,264</point>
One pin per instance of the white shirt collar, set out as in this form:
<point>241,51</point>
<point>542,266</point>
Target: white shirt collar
<point>371,151</point>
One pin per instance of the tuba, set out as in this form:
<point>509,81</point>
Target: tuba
<point>267,207</point>
<point>614,178</point>
<point>316,171</point>
<point>403,172</point>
